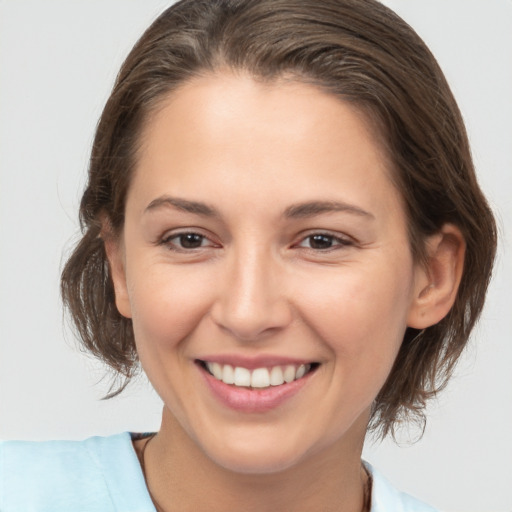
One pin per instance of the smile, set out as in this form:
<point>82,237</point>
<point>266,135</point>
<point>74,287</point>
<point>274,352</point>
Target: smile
<point>258,377</point>
<point>255,385</point>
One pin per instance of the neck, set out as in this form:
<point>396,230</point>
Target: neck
<point>181,477</point>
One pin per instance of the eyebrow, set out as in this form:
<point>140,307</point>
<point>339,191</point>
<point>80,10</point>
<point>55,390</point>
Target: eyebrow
<point>295,211</point>
<point>312,208</point>
<point>183,205</point>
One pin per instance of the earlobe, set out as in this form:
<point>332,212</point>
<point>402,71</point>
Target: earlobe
<point>115,257</point>
<point>437,282</point>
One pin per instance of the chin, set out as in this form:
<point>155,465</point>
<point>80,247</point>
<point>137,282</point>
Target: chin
<point>260,463</point>
<point>256,454</point>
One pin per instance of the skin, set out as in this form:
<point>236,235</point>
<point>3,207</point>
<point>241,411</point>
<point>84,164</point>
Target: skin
<point>258,284</point>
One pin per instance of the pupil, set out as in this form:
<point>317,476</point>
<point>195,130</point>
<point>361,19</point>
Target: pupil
<point>321,242</point>
<point>191,240</point>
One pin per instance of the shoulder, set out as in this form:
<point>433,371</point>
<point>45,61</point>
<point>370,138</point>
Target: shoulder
<point>99,474</point>
<point>385,497</point>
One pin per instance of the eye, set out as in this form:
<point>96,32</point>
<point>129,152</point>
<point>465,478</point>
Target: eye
<point>323,242</point>
<point>186,241</point>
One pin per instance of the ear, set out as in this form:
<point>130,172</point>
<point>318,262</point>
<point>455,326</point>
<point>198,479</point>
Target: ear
<point>114,249</point>
<point>437,282</point>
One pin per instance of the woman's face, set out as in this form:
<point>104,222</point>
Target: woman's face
<point>264,243</point>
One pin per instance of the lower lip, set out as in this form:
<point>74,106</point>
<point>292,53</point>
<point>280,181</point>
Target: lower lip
<point>253,400</point>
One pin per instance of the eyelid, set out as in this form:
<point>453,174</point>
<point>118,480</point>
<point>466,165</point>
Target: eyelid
<point>340,240</point>
<point>168,236</point>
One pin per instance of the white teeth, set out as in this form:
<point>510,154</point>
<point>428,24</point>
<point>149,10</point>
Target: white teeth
<point>216,369</point>
<point>289,373</point>
<point>259,377</point>
<point>228,374</point>
<point>301,371</point>
<point>276,376</point>
<point>242,376</point>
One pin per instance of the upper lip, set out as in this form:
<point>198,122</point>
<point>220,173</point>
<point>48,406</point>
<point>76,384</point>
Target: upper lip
<point>253,362</point>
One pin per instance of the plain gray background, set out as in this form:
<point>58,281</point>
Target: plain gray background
<point>58,60</point>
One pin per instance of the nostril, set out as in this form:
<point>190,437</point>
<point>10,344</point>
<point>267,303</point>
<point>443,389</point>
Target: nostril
<point>251,303</point>
<point>251,324</point>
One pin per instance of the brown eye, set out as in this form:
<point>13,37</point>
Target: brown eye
<point>324,242</point>
<point>187,241</point>
<point>321,241</point>
<point>190,240</point>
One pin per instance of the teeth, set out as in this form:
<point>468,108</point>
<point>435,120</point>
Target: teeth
<point>259,377</point>
<point>242,377</point>
<point>276,376</point>
<point>301,371</point>
<point>216,369</point>
<point>228,375</point>
<point>289,373</point>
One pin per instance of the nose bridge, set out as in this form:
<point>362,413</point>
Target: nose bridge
<point>253,280</point>
<point>252,299</point>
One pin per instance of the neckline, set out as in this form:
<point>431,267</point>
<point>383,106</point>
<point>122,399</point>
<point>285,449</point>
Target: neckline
<point>368,491</point>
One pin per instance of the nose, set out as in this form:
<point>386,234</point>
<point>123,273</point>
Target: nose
<point>251,301</point>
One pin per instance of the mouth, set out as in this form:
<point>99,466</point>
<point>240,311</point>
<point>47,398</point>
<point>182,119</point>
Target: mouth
<point>258,378</point>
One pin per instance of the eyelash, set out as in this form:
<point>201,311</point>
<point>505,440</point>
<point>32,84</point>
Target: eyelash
<point>336,242</point>
<point>168,241</point>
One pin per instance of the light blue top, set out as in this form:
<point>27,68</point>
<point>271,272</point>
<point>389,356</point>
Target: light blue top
<point>102,474</point>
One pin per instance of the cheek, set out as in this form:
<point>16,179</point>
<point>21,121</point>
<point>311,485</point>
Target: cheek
<point>361,315</point>
<point>167,304</point>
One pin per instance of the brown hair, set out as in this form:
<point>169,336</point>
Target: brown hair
<point>359,51</point>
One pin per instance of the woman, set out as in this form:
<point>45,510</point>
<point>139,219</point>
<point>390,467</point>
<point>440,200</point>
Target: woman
<point>282,223</point>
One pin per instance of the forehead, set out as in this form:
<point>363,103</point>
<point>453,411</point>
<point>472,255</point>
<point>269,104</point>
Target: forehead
<point>249,135</point>
<point>286,107</point>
